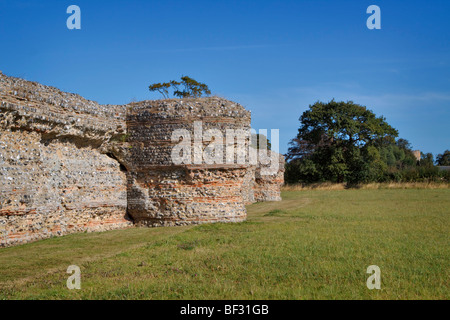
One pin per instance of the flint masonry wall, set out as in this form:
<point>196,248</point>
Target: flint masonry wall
<point>54,178</point>
<point>68,164</point>
<point>161,193</point>
<point>267,186</point>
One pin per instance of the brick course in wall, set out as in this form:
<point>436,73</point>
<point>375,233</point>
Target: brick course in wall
<point>68,164</point>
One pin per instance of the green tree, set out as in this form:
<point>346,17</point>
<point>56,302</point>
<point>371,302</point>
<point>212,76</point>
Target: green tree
<point>403,144</point>
<point>190,88</point>
<point>161,88</point>
<point>426,160</point>
<point>443,159</point>
<point>337,137</point>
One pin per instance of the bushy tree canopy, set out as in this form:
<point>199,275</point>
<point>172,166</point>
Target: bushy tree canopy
<point>346,142</point>
<point>443,159</point>
<point>341,141</point>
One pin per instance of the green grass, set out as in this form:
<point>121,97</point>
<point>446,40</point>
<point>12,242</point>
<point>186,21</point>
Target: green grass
<point>314,244</point>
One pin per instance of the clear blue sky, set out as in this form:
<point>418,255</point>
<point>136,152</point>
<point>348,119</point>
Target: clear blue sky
<point>274,57</point>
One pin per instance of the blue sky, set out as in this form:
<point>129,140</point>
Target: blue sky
<point>274,57</point>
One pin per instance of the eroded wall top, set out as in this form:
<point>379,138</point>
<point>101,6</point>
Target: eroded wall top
<point>32,106</point>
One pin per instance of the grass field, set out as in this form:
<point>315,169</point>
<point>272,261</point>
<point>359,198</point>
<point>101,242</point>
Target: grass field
<point>315,244</point>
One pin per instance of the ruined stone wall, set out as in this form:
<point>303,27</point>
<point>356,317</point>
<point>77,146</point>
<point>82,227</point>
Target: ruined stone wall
<point>261,183</point>
<point>267,186</point>
<point>248,192</point>
<point>68,164</point>
<point>161,193</point>
<point>55,175</point>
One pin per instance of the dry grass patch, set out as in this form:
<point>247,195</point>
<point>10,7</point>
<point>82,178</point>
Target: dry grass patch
<point>367,186</point>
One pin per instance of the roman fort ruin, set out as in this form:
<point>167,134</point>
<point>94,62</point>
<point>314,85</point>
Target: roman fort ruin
<point>68,164</point>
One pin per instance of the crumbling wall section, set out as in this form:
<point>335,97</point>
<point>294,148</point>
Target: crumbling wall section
<point>55,175</point>
<point>267,186</point>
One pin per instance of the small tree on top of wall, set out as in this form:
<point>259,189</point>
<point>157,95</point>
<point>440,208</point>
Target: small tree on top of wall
<point>186,88</point>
